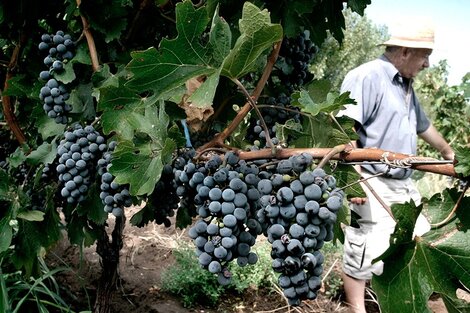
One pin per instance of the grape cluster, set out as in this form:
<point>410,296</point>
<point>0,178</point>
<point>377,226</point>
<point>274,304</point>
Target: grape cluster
<point>54,94</point>
<point>78,153</point>
<point>294,59</point>
<point>299,208</point>
<point>226,205</point>
<point>293,206</point>
<point>164,200</point>
<point>275,114</point>
<point>60,49</point>
<point>113,195</point>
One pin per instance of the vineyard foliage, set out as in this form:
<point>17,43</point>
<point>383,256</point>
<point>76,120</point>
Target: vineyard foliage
<point>151,76</point>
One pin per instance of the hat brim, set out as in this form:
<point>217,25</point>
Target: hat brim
<point>409,44</point>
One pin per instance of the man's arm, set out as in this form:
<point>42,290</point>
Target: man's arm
<point>435,139</point>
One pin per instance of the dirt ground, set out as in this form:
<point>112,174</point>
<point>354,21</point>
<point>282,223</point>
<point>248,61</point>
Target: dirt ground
<point>146,253</point>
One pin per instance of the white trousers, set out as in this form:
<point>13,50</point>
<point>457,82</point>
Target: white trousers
<point>371,239</point>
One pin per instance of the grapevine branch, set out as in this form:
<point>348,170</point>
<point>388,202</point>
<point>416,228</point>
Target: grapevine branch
<point>6,100</point>
<point>247,107</point>
<point>357,155</point>
<point>91,42</point>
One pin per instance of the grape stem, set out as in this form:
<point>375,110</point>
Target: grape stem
<point>335,150</point>
<point>451,214</point>
<point>220,138</point>
<point>90,41</point>
<point>253,105</point>
<point>382,203</point>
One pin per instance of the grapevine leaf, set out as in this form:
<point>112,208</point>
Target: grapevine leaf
<point>179,59</point>
<point>92,207</point>
<point>82,55</point>
<point>120,107</point>
<point>220,38</point>
<point>104,78</point>
<point>45,154</point>
<point>304,100</point>
<point>4,183</point>
<point>318,131</point>
<point>32,216</point>
<point>462,154</point>
<point>291,13</point>
<point>6,233</point>
<point>16,158</point>
<point>143,217</point>
<point>257,35</point>
<point>183,217</point>
<point>436,262</point>
<point>110,19</point>
<point>30,238</point>
<point>358,6</point>
<point>140,163</point>
<point>290,129</point>
<point>47,127</point>
<point>176,135</point>
<point>347,176</point>
<point>17,86</point>
<point>67,75</point>
<point>82,102</point>
<point>75,231</point>
<point>319,90</point>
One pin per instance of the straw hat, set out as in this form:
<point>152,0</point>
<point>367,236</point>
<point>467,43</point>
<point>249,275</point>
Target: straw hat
<point>413,33</point>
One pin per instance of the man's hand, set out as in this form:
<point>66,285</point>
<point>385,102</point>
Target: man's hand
<point>358,200</point>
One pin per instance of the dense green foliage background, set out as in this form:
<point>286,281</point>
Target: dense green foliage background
<point>129,78</point>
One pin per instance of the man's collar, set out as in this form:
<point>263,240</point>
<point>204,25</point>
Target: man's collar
<point>393,73</point>
<point>390,69</point>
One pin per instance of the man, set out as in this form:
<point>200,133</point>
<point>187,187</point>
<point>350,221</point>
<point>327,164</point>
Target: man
<point>388,116</point>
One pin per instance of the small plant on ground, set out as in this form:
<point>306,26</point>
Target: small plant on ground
<point>259,275</point>
<point>187,279</point>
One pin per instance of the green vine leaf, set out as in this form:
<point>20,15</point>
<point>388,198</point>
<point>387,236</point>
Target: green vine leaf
<point>110,19</point>
<point>319,131</point>
<point>120,107</point>
<point>178,59</point>
<point>4,185</point>
<point>257,35</point>
<point>462,154</point>
<point>32,216</point>
<point>67,75</point>
<point>305,101</point>
<point>140,163</point>
<point>44,154</point>
<point>436,262</point>
<point>82,101</point>
<point>6,233</point>
<point>347,176</point>
<point>92,207</point>
<point>47,127</point>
